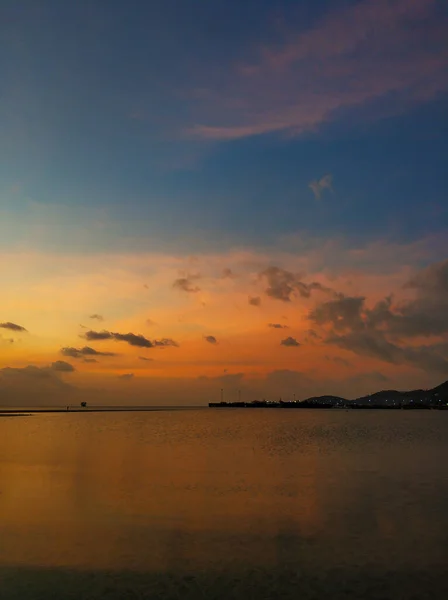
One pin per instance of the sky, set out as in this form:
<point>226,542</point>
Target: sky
<point>224,195</point>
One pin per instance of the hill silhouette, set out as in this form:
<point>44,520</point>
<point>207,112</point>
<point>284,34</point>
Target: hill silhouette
<point>436,397</point>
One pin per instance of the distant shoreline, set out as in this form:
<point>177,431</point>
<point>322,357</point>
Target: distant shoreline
<point>9,412</point>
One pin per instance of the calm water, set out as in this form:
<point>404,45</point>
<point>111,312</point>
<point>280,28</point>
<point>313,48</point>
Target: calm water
<point>224,504</point>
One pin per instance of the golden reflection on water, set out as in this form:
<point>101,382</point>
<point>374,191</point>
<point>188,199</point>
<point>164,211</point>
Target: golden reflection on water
<point>153,491</point>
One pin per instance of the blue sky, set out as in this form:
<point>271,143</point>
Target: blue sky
<point>103,107</point>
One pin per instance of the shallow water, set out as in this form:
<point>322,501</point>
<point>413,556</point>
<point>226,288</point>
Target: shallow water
<point>224,504</point>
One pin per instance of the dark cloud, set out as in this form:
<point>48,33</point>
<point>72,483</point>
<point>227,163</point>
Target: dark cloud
<point>289,341</point>
<point>427,313</point>
<point>12,326</point>
<point>424,315</point>
<point>33,385</point>
<point>133,339</point>
<point>81,352</point>
<point>432,279</point>
<point>97,317</point>
<point>342,313</point>
<point>62,367</point>
<point>126,376</point>
<point>210,339</point>
<point>186,284</point>
<point>30,371</point>
<point>166,342</point>
<point>379,332</point>
<point>277,326</point>
<point>254,300</point>
<point>283,284</point>
<point>94,336</point>
<point>376,345</point>
<point>32,379</point>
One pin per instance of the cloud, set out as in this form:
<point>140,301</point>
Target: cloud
<point>289,341</point>
<point>283,284</point>
<point>185,284</point>
<point>94,336</point>
<point>165,343</point>
<point>210,339</point>
<point>427,313</point>
<point>86,351</point>
<point>126,376</point>
<point>254,300</point>
<point>97,317</point>
<point>227,273</point>
<point>318,186</point>
<point>424,315</point>
<point>341,62</point>
<point>277,326</point>
<point>62,367</point>
<point>376,345</point>
<point>132,339</point>
<point>145,358</point>
<point>33,385</point>
<point>342,313</point>
<point>12,326</point>
<point>381,331</point>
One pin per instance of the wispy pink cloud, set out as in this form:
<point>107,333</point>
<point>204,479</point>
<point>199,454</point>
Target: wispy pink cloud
<point>349,58</point>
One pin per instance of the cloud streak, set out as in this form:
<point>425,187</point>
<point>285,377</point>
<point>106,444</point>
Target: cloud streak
<point>12,327</point>
<point>83,352</point>
<point>340,63</point>
<point>137,340</point>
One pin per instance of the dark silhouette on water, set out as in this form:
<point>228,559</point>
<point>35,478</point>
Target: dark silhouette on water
<point>435,398</point>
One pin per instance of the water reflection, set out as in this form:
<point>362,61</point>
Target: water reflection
<point>188,492</point>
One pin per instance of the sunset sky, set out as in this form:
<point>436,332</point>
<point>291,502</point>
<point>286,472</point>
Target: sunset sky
<point>233,194</point>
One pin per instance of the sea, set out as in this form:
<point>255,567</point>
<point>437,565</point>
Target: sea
<point>224,503</point>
